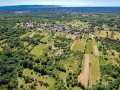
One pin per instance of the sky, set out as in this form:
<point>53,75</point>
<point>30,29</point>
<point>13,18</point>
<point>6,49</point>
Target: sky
<point>61,2</point>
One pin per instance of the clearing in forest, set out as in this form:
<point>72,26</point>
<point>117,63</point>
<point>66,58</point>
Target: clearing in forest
<point>83,77</point>
<point>39,49</point>
<point>94,71</point>
<point>69,36</point>
<point>96,50</point>
<point>31,35</point>
<point>79,45</point>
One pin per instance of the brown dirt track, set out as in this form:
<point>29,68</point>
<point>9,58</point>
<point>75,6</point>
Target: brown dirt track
<point>83,78</point>
<point>96,50</point>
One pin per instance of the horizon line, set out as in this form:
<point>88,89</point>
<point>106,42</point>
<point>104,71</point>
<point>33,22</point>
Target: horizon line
<point>60,5</point>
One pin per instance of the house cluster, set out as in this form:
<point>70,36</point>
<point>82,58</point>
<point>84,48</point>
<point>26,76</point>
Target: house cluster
<point>59,52</point>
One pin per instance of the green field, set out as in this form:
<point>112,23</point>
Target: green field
<point>57,33</point>
<point>44,39</point>
<point>24,35</point>
<point>69,36</point>
<point>39,49</point>
<point>25,44</point>
<point>104,33</point>
<point>94,70</point>
<point>79,45</point>
<point>89,47</point>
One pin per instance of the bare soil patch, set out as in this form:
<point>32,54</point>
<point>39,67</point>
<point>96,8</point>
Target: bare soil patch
<point>96,50</point>
<point>83,78</point>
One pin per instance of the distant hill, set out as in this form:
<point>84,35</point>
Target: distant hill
<point>29,6</point>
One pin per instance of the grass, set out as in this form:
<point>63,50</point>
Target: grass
<point>39,49</point>
<point>1,49</point>
<point>117,35</point>
<point>89,47</point>
<point>103,33</point>
<point>44,39</point>
<point>2,40</point>
<point>94,70</point>
<point>31,35</point>
<point>63,34</point>
<point>44,33</point>
<point>79,45</point>
<point>38,77</point>
<point>25,44</point>
<point>24,35</point>
<point>76,88</point>
<point>96,32</point>
<point>69,36</point>
<point>94,42</point>
<point>57,33</point>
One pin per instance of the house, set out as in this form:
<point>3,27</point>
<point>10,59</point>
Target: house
<point>101,38</point>
<point>76,33</point>
<point>57,53</point>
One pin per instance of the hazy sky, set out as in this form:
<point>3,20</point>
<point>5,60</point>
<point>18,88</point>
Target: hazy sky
<point>61,2</point>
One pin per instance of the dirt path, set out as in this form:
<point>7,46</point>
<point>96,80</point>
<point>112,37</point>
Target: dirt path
<point>72,45</point>
<point>83,78</point>
<point>96,50</point>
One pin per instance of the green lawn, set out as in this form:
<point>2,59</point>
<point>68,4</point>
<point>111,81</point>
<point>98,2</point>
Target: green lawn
<point>79,45</point>
<point>25,44</point>
<point>39,49</point>
<point>1,49</point>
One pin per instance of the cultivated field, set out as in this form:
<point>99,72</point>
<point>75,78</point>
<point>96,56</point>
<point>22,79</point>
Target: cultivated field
<point>83,77</point>
<point>69,36</point>
<point>96,50</point>
<point>39,49</point>
<point>79,45</point>
<point>94,71</point>
<point>89,47</point>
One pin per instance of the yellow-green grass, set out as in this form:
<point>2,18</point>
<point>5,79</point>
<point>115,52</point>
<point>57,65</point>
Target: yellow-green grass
<point>44,33</point>
<point>63,34</point>
<point>2,40</point>
<point>94,70</point>
<point>39,49</point>
<point>104,33</point>
<point>85,35</point>
<point>69,36</point>
<point>71,64</point>
<point>1,49</point>
<point>77,88</point>
<point>35,75</point>
<point>89,47</point>
<point>50,41</point>
<point>112,57</point>
<point>38,87</point>
<point>44,39</point>
<point>31,35</point>
<point>117,35</point>
<point>63,76</point>
<point>96,32</point>
<point>24,35</point>
<point>29,47</point>
<point>58,33</point>
<point>105,27</point>
<point>25,44</point>
<point>94,42</point>
<point>79,45</point>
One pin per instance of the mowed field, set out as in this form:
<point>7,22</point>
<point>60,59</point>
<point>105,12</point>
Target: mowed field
<point>94,75</point>
<point>39,49</point>
<point>79,45</point>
